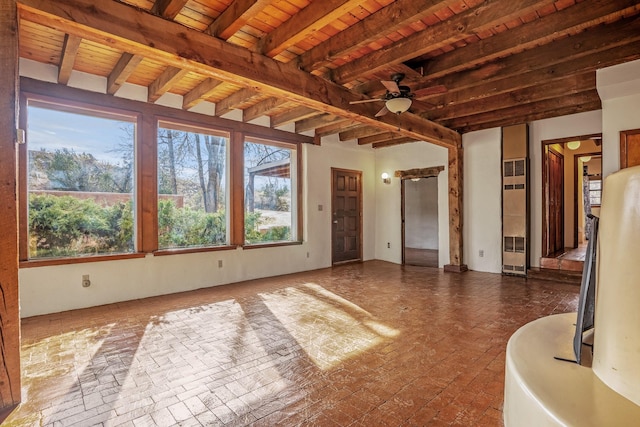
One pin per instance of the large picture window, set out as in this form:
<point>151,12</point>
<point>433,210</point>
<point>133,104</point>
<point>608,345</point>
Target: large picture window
<point>80,181</point>
<point>270,192</point>
<point>102,177</point>
<point>192,165</point>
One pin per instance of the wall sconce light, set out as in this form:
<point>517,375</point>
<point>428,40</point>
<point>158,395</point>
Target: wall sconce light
<point>385,178</point>
<point>573,145</point>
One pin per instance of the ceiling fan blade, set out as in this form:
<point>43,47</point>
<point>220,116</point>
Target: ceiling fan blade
<point>391,86</point>
<point>382,112</point>
<point>363,101</point>
<point>431,90</point>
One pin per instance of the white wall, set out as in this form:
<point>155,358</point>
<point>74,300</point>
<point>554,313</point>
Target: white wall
<point>618,114</point>
<point>619,89</point>
<point>388,227</point>
<point>482,226</point>
<point>58,288</point>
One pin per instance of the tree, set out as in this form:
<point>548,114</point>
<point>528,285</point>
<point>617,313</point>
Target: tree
<point>210,184</point>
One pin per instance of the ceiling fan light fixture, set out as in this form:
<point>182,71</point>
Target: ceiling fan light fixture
<point>398,105</point>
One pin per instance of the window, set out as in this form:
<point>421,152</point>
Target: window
<point>270,200</point>
<point>80,181</point>
<point>103,177</point>
<point>192,165</point>
<point>595,190</point>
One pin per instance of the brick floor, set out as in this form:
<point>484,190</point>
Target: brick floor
<point>358,345</point>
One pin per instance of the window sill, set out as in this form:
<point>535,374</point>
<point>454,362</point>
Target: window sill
<point>178,251</point>
<point>270,245</point>
<point>77,260</point>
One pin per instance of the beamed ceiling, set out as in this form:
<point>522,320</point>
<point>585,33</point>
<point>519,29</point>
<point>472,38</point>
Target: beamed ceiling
<point>471,64</point>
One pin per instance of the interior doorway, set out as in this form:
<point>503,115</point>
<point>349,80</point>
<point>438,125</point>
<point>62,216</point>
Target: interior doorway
<point>566,198</point>
<point>420,221</point>
<point>346,208</point>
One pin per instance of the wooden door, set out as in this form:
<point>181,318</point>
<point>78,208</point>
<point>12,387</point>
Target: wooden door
<point>629,148</point>
<point>555,201</point>
<point>346,208</point>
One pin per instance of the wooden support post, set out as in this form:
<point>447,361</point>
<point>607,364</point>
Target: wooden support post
<point>9,302</point>
<point>455,212</point>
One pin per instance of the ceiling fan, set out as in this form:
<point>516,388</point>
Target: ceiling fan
<point>396,100</point>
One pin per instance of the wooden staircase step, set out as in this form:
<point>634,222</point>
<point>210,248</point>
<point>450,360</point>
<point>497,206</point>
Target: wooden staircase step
<point>555,275</point>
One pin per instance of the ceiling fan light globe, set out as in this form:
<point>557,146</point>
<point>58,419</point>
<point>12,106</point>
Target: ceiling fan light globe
<point>398,105</point>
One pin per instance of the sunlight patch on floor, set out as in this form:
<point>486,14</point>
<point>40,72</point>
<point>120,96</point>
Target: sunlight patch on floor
<point>329,328</point>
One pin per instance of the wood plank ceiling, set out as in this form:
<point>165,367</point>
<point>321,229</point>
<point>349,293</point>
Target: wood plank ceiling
<point>471,64</point>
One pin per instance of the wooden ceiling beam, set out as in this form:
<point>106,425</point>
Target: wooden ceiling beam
<point>292,115</point>
<point>313,122</point>
<point>128,29</point>
<point>381,137</point>
<point>570,55</point>
<point>69,52</point>
<point>541,31</point>
<point>456,28</point>
<point>200,93</point>
<point>232,101</point>
<point>544,90</point>
<point>394,141</point>
<point>125,66</point>
<point>336,127</point>
<point>597,48</point>
<point>234,17</point>
<point>359,132</point>
<point>168,8</point>
<point>526,109</point>
<point>540,115</point>
<point>262,108</point>
<point>164,82</point>
<point>391,18</point>
<point>312,18</point>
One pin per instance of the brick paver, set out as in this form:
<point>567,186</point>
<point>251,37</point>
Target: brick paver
<point>363,344</point>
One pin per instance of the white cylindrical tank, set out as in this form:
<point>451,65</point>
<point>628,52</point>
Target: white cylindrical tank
<point>616,350</point>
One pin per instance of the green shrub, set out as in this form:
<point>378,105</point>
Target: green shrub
<point>68,226</point>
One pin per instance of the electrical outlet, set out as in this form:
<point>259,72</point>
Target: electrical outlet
<point>307,254</point>
<point>388,245</point>
<point>481,253</point>
<point>85,281</point>
<point>219,263</point>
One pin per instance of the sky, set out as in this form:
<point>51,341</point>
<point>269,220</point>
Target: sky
<point>53,129</point>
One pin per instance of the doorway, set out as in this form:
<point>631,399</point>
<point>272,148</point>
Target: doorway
<point>420,221</point>
<point>563,201</point>
<point>346,208</point>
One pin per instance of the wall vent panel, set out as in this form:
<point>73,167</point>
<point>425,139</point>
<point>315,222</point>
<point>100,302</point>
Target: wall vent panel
<point>515,203</point>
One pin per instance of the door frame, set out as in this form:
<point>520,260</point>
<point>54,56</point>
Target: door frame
<point>360,214</point>
<point>403,213</point>
<point>430,172</point>
<point>544,166</point>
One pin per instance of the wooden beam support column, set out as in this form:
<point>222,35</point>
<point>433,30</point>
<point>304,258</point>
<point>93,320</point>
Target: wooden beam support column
<point>9,297</point>
<point>455,212</point>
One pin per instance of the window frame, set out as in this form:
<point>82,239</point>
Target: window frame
<point>75,107</point>
<point>595,178</point>
<point>148,116</point>
<point>189,126</point>
<point>297,169</point>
